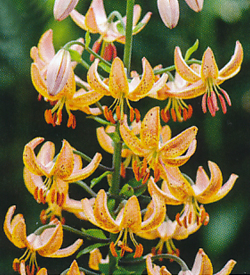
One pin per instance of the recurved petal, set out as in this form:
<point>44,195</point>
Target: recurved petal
<point>209,68</point>
<point>46,153</point>
<point>62,8</point>
<point>49,241</point>
<point>32,181</point>
<point>151,129</point>
<point>183,69</point>
<point>158,215</point>
<point>178,145</point>
<point>95,81</point>
<point>131,217</point>
<point>199,263</point>
<point>102,215</point>
<point>166,196</point>
<point>64,164</point>
<point>146,83</point>
<point>233,66</point>
<point>104,140</point>
<point>86,171</point>
<point>79,19</point>
<point>212,187</point>
<point>45,46</point>
<point>82,98</point>
<point>15,229</point>
<point>67,251</point>
<point>227,268</point>
<point>95,16</point>
<point>224,190</point>
<point>118,82</point>
<point>29,157</point>
<point>74,269</point>
<point>179,187</point>
<point>132,141</point>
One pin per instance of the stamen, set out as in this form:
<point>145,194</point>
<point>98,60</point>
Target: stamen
<point>190,217</point>
<point>95,48</point>
<point>210,106</point>
<point>185,114</point>
<point>185,222</point>
<point>43,217</point>
<point>123,170</point>
<point>106,113</point>
<point>16,265</point>
<point>48,116</point>
<point>71,121</point>
<point>145,179</point>
<point>203,104</point>
<point>53,193</point>
<point>173,114</point>
<point>111,118</point>
<point>223,103</point>
<point>131,114</point>
<point>177,218</point>
<point>138,251</point>
<point>36,194</point>
<point>206,219</point>
<point>108,52</point>
<point>59,117</point>
<point>136,170</point>
<point>156,173</point>
<point>137,115</point>
<point>190,111</point>
<point>164,116</point>
<point>118,112</point>
<point>112,249</point>
<point>226,97</point>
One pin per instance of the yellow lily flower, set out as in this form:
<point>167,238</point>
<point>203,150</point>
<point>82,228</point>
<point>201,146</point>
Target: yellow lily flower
<point>120,88</point>
<point>96,21</point>
<point>73,270</point>
<point>202,266</point>
<point>66,95</point>
<point>128,220</point>
<point>67,168</point>
<point>47,244</point>
<point>176,188</point>
<point>155,143</point>
<point>95,258</point>
<point>170,230</point>
<point>205,79</point>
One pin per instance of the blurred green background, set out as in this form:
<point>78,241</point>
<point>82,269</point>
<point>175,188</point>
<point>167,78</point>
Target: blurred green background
<point>224,139</point>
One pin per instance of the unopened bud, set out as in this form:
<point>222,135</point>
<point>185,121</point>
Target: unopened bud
<point>58,72</point>
<point>195,5</point>
<point>62,8</point>
<point>169,12</point>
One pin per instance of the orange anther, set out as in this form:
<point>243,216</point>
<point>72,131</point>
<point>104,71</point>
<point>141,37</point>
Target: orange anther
<point>157,174</point>
<point>48,116</point>
<point>112,249</point>
<point>206,219</point>
<point>153,250</point>
<point>43,217</point>
<point>137,115</point>
<point>177,217</point>
<point>106,112</point>
<point>16,265</point>
<point>53,193</point>
<point>95,48</point>
<point>71,121</point>
<point>190,111</point>
<point>164,116</point>
<point>190,217</point>
<point>36,194</point>
<point>108,52</point>
<point>131,114</point>
<point>118,112</point>
<point>136,170</point>
<point>185,222</point>
<point>173,114</point>
<point>111,118</point>
<point>185,114</point>
<point>59,117</point>
<point>138,251</point>
<point>123,170</point>
<point>145,178</point>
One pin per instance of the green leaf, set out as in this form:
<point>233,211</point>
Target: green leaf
<point>87,39</point>
<point>120,28</point>
<point>115,137</point>
<point>191,50</point>
<point>97,180</point>
<point>104,268</point>
<point>89,249</point>
<point>95,233</point>
<point>127,190</point>
<point>138,187</point>
<point>75,55</point>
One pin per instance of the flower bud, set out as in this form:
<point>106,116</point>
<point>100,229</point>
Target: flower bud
<point>195,5</point>
<point>58,72</point>
<point>62,8</point>
<point>169,12</point>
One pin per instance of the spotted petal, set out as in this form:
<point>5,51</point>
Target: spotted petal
<point>209,68</point>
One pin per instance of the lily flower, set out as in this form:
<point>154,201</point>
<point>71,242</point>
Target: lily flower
<point>170,230</point>
<point>175,107</point>
<point>62,8</point>
<point>95,258</point>
<point>59,91</point>
<point>156,145</point>
<point>207,78</point>
<point>202,266</point>
<point>120,88</point>
<point>177,188</point>
<point>58,173</point>
<point>128,220</point>
<point>96,21</point>
<point>47,244</point>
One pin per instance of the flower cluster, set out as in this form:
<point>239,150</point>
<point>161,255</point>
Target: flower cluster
<point>145,176</point>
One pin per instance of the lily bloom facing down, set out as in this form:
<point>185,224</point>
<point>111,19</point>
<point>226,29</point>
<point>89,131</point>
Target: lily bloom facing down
<point>205,80</point>
<point>202,266</point>
<point>96,21</point>
<point>46,244</point>
<point>67,168</point>
<point>128,220</point>
<point>62,8</point>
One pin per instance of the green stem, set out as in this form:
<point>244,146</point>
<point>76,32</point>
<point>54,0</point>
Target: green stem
<point>86,188</point>
<point>85,235</point>
<point>129,34</point>
<point>119,17</point>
